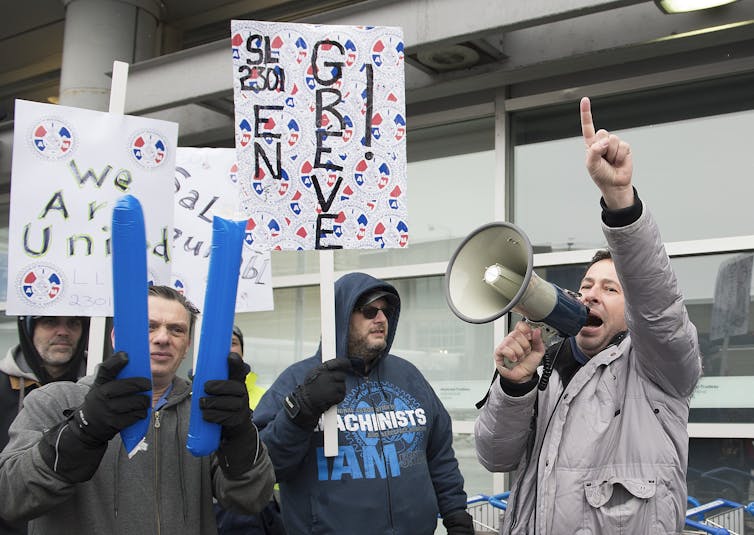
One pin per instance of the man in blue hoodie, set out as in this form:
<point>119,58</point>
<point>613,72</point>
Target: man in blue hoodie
<point>395,469</point>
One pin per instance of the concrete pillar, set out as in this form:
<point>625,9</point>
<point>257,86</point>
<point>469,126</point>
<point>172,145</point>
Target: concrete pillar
<point>98,32</point>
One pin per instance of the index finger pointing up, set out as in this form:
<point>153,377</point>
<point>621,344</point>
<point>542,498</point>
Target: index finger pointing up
<point>587,124</point>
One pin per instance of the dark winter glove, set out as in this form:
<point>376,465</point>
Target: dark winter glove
<point>323,387</point>
<point>111,404</point>
<point>228,405</point>
<point>74,448</point>
<point>458,523</point>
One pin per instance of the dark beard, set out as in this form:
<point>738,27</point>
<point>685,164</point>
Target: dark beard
<point>362,350</point>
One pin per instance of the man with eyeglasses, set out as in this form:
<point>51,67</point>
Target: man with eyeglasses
<point>395,469</point>
<point>50,348</point>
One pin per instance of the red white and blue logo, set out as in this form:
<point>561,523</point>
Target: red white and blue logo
<point>387,51</point>
<point>233,173</point>
<point>248,236</point>
<point>148,149</point>
<point>244,132</point>
<point>236,41</point>
<point>370,173</point>
<point>263,227</point>
<point>294,132</point>
<point>289,47</point>
<point>52,139</point>
<point>178,284</point>
<point>350,49</point>
<point>41,284</point>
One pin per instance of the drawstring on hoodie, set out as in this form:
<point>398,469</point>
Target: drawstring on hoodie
<point>116,495</point>
<point>382,447</point>
<point>21,394</point>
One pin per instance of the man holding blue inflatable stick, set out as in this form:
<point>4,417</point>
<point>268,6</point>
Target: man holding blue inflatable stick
<point>65,468</point>
<point>603,447</point>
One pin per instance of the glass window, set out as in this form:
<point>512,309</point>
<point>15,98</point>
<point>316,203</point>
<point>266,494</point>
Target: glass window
<point>721,468</point>
<point>477,480</point>
<point>672,164</point>
<point>275,339</point>
<point>718,294</point>
<point>448,197</point>
<point>450,183</point>
<point>684,168</point>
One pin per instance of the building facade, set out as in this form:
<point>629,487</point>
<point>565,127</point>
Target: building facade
<point>492,92</point>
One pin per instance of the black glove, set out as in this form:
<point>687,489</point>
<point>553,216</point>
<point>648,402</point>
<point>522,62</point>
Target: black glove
<point>458,523</point>
<point>111,404</point>
<point>323,387</point>
<point>228,405</point>
<point>74,448</point>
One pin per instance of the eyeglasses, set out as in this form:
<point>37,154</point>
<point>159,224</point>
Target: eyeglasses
<point>370,312</point>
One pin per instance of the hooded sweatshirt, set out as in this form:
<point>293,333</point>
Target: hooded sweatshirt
<point>22,370</point>
<point>395,469</point>
<point>164,490</point>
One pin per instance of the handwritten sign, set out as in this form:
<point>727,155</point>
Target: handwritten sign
<point>321,135</point>
<point>206,184</point>
<point>69,167</point>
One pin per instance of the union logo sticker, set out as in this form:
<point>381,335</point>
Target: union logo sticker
<point>148,149</point>
<point>41,284</point>
<point>52,139</point>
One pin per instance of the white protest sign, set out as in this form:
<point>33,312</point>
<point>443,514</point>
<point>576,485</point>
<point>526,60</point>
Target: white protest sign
<point>321,145</point>
<point>321,134</point>
<point>69,167</point>
<point>206,184</point>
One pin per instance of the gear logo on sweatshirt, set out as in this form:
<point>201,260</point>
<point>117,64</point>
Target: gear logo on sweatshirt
<point>384,427</point>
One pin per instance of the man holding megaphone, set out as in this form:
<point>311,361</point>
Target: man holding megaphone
<point>603,447</point>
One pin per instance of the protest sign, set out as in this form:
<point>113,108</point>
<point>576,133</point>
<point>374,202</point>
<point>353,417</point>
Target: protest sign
<point>69,167</point>
<point>321,145</point>
<point>321,135</point>
<point>206,184</point>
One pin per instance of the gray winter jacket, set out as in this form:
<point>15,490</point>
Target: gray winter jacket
<point>610,450</point>
<point>163,490</point>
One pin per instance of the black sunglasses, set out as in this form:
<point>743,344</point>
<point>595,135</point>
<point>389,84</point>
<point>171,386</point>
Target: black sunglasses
<point>370,311</point>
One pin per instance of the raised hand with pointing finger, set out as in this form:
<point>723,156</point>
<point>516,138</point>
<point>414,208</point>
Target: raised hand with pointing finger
<point>608,161</point>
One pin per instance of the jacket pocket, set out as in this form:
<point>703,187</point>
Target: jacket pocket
<point>621,505</point>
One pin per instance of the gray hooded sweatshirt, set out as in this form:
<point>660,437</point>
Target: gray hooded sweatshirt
<point>164,490</point>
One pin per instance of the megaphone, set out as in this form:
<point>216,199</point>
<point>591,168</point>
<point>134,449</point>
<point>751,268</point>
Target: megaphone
<point>492,273</point>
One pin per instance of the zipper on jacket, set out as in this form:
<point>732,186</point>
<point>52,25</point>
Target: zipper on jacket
<point>531,442</point>
<point>157,467</point>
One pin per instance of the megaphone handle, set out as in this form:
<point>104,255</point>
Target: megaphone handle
<point>550,335</point>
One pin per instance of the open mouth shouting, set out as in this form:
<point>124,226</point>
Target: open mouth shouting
<point>593,320</point>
